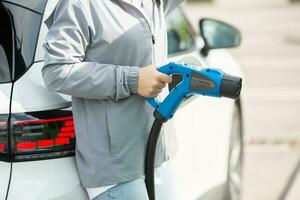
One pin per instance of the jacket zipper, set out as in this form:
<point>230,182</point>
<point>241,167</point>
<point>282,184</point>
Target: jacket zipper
<point>166,157</point>
<point>148,23</point>
<point>153,39</point>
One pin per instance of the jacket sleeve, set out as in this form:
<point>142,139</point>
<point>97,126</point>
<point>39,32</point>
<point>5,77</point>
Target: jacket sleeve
<point>171,5</point>
<point>65,69</point>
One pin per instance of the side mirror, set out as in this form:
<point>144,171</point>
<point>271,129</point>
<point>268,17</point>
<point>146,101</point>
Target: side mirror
<point>217,35</point>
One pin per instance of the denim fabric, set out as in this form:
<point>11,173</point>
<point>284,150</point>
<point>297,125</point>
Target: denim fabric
<point>136,189</point>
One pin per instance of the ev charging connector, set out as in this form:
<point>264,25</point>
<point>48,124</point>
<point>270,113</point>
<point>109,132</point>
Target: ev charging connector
<point>207,82</point>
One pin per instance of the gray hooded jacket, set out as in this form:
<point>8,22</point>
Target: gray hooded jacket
<point>93,52</point>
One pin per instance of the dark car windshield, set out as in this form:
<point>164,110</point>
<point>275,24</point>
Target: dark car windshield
<point>26,16</point>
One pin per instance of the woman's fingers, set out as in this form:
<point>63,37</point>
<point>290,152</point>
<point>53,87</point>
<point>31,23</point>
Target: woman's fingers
<point>160,85</point>
<point>165,78</point>
<point>151,81</point>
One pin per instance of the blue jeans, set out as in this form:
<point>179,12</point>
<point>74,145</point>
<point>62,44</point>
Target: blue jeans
<point>136,189</point>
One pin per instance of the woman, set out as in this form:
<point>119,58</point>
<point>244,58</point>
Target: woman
<point>104,53</point>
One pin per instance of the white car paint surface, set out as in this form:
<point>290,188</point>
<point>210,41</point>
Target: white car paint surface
<point>47,179</point>
<point>5,91</point>
<point>4,178</point>
<point>201,162</point>
<point>40,98</point>
<point>203,127</point>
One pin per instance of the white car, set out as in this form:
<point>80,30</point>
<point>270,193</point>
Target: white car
<point>37,137</point>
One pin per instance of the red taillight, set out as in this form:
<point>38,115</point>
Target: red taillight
<point>67,134</point>
<point>2,124</point>
<point>67,129</point>
<point>62,141</point>
<point>40,121</point>
<point>2,147</point>
<point>21,146</point>
<point>3,133</point>
<point>41,135</point>
<point>45,143</point>
<point>69,123</point>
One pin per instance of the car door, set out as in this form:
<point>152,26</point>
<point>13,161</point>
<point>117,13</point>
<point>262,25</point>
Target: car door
<point>6,56</point>
<point>202,124</point>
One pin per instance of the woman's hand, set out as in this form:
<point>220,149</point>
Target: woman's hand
<point>151,82</point>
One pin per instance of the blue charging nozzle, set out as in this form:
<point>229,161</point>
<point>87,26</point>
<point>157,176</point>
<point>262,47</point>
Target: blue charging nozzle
<point>208,82</point>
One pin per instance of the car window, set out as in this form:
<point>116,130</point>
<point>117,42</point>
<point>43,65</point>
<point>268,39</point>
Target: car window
<point>181,36</point>
<point>26,23</point>
<point>5,73</point>
<point>5,47</point>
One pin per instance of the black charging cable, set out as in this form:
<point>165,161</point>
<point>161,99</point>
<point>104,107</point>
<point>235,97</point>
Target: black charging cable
<point>151,152</point>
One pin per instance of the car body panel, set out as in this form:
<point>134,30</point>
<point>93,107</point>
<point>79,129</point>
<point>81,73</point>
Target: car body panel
<point>203,165</point>
<point>5,167</point>
<point>4,180</point>
<point>48,179</point>
<point>5,93</point>
<point>30,93</point>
